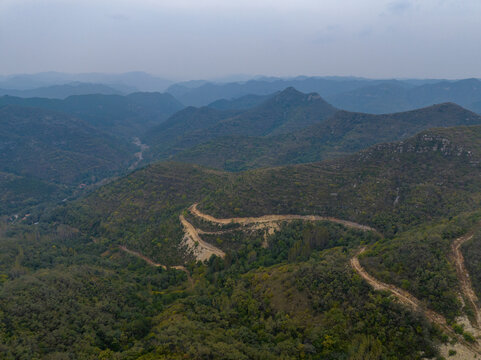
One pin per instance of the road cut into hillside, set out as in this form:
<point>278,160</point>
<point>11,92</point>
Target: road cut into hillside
<point>464,279</point>
<point>415,304</point>
<point>276,218</point>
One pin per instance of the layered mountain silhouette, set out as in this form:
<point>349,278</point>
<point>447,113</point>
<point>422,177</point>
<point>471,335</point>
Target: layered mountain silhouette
<point>56,147</point>
<point>125,116</point>
<point>391,97</point>
<point>289,127</point>
<point>287,111</point>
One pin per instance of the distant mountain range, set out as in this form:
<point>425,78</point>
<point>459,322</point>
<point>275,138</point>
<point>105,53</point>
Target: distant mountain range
<point>124,82</point>
<point>285,112</point>
<point>125,116</point>
<point>62,91</point>
<point>288,127</point>
<point>349,93</point>
<point>360,95</point>
<point>205,92</point>
<point>391,97</point>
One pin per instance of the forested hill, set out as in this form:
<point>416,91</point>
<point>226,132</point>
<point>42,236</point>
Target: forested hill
<point>272,295</point>
<point>285,112</point>
<point>432,175</point>
<point>342,133</point>
<point>125,116</point>
<point>202,93</point>
<point>56,147</point>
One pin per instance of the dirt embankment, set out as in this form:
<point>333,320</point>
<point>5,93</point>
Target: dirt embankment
<point>198,247</point>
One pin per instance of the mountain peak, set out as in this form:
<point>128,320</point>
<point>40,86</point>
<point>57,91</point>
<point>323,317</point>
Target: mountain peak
<point>447,107</point>
<point>291,94</point>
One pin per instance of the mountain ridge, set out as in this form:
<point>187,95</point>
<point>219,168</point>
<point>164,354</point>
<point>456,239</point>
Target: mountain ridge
<point>342,133</point>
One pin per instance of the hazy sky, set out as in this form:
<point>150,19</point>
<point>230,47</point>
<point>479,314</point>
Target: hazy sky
<point>207,38</point>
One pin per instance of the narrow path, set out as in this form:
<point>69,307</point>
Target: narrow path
<point>199,248</point>
<point>407,299</point>
<point>275,218</point>
<point>143,257</point>
<point>270,223</point>
<point>220,232</point>
<point>463,277</point>
<point>153,263</point>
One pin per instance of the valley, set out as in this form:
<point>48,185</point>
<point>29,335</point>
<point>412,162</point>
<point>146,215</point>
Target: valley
<point>240,180</point>
<point>269,226</point>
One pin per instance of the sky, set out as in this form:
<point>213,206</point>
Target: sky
<point>194,39</point>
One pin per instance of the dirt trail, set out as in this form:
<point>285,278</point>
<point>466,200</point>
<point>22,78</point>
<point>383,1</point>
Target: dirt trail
<point>276,218</point>
<point>199,248</point>
<point>270,223</point>
<point>407,299</point>
<point>463,276</point>
<point>143,257</point>
<point>153,263</point>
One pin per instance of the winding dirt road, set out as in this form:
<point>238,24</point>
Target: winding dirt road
<point>153,263</point>
<point>199,248</point>
<point>463,277</point>
<point>275,218</point>
<point>203,251</point>
<point>143,257</point>
<point>269,223</point>
<point>407,299</point>
<point>402,295</point>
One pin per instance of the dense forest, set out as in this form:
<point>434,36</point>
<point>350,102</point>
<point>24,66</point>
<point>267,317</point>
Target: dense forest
<point>63,294</point>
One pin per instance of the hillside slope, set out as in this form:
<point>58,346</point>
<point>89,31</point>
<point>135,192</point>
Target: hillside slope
<point>279,294</point>
<point>240,103</point>
<point>126,116</point>
<point>340,134</point>
<point>393,97</point>
<point>287,111</point>
<point>390,187</point>
<point>56,147</point>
